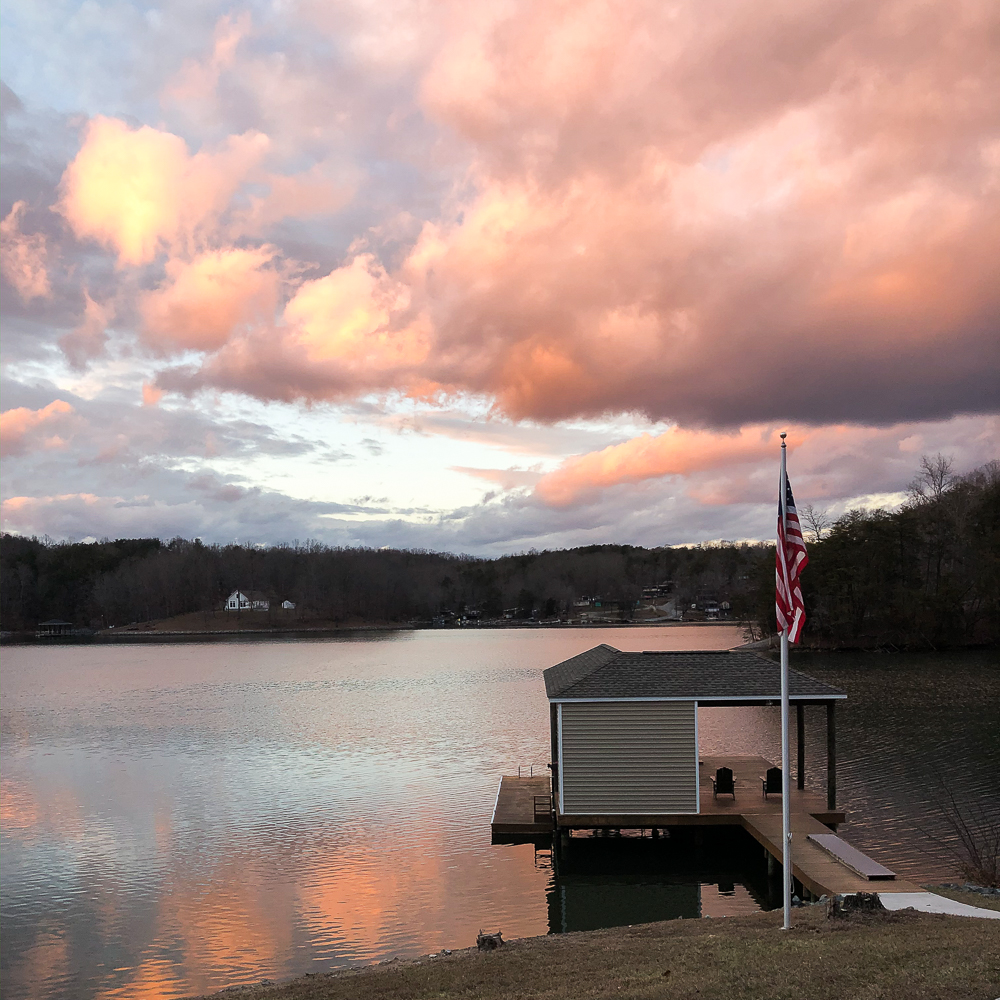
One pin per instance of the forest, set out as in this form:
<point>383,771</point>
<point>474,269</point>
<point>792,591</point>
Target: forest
<point>925,575</point>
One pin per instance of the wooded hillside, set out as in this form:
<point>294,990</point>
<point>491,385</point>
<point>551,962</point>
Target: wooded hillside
<point>927,574</point>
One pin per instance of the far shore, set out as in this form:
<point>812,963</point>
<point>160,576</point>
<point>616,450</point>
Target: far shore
<point>899,954</point>
<point>224,625</point>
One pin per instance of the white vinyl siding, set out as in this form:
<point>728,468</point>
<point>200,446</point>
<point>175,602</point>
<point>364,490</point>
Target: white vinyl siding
<point>629,758</point>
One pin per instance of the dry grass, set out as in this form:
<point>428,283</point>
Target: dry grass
<point>902,954</point>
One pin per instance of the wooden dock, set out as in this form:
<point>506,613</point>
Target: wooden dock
<point>520,812</point>
<point>523,807</point>
<point>818,870</point>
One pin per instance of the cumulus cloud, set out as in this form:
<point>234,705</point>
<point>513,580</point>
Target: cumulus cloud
<point>197,79</point>
<point>23,257</point>
<point>676,452</point>
<point>754,218</point>
<point>829,463</point>
<point>710,217</point>
<point>23,429</point>
<point>138,190</point>
<point>89,339</point>
<point>208,298</point>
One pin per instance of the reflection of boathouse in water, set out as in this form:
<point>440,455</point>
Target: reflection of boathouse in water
<point>625,756</point>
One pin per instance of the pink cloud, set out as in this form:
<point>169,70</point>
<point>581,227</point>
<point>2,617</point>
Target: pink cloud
<point>23,430</point>
<point>207,299</point>
<point>745,221</point>
<point>828,462</point>
<point>197,79</point>
<point>676,452</point>
<point>23,257</point>
<point>506,479</point>
<point>89,339</point>
<point>151,396</point>
<point>139,190</point>
<point>751,219</point>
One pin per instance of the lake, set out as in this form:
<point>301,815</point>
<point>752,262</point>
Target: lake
<point>181,817</point>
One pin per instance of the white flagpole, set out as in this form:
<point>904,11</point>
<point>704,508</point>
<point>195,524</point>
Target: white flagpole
<point>786,824</point>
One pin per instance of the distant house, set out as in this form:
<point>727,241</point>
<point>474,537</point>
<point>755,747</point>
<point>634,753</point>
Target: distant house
<point>56,626</point>
<point>251,600</point>
<point>288,605</point>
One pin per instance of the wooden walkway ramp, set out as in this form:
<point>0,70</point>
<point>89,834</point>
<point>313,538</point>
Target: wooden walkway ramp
<point>815,867</point>
<point>523,807</point>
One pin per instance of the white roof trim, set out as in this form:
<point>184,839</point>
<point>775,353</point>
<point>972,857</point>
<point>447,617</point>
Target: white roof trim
<point>571,816</point>
<point>701,699</point>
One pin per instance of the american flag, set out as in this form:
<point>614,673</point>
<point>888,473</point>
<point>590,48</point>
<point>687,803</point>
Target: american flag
<point>791,560</point>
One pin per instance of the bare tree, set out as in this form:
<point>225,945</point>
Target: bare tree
<point>935,478</point>
<point>818,522</point>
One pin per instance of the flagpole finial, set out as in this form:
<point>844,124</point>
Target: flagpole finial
<point>782,435</point>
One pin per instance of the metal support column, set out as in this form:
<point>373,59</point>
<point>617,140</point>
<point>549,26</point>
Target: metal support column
<point>831,755</point>
<point>800,726</point>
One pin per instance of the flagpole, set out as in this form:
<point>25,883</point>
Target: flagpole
<point>786,825</point>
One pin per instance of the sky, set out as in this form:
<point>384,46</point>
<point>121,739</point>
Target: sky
<point>491,277</point>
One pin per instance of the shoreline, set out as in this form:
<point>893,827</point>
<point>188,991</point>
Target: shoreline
<point>898,953</point>
<point>151,633</point>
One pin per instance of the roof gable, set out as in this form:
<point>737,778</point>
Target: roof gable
<point>564,675</point>
<point>705,675</point>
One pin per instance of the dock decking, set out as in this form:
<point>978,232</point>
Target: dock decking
<point>514,812</point>
<point>816,868</point>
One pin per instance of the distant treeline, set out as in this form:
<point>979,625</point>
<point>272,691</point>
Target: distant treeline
<point>927,574</point>
<point>133,580</point>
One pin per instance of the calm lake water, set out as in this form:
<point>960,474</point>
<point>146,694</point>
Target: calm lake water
<point>177,818</point>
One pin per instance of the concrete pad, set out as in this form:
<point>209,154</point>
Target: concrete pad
<point>930,902</point>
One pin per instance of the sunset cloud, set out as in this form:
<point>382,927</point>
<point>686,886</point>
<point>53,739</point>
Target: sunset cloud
<point>209,298</point>
<point>138,190</point>
<point>22,429</point>
<point>720,469</point>
<point>737,206</point>
<point>628,242</point>
<point>677,452</point>
<point>89,338</point>
<point>23,257</point>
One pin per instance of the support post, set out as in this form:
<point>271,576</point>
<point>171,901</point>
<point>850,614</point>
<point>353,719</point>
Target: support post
<point>800,726</point>
<point>831,755</point>
<point>786,817</point>
<point>554,742</point>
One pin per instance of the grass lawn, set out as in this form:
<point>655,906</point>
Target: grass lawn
<point>869,957</point>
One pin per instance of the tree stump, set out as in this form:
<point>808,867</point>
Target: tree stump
<point>489,942</point>
<point>857,902</point>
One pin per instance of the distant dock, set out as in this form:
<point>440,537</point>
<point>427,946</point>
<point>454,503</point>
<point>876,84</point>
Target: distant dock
<point>825,866</point>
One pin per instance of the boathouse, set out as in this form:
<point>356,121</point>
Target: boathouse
<point>624,730</point>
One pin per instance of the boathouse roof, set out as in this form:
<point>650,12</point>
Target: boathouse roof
<point>721,676</point>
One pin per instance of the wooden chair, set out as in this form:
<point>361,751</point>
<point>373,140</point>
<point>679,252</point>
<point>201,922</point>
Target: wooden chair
<point>771,781</point>
<point>723,783</point>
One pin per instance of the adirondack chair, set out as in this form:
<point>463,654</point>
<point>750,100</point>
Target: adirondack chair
<point>771,781</point>
<point>723,783</point>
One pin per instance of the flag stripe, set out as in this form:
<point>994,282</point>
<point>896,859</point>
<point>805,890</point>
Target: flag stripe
<point>791,559</point>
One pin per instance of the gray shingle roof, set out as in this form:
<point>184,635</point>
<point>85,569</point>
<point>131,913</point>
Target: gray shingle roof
<point>606,672</point>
